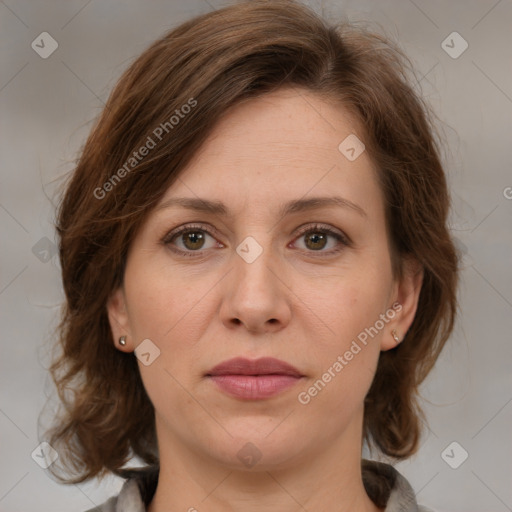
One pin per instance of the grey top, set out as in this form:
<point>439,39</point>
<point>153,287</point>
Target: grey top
<point>384,484</point>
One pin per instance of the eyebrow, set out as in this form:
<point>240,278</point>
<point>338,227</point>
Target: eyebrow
<point>294,206</point>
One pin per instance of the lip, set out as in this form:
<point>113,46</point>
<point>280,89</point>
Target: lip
<point>255,379</point>
<point>261,366</point>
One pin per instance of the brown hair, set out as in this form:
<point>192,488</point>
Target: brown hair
<point>211,63</point>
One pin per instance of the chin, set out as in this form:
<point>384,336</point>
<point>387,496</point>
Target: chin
<point>266,449</point>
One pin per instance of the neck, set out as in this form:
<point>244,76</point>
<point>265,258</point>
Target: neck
<point>329,480</point>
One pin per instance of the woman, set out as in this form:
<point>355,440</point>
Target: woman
<point>257,269</point>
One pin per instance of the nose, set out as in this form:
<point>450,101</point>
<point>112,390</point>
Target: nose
<point>255,297</point>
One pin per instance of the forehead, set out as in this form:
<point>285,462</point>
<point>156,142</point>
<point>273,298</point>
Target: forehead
<point>291,122</point>
<point>280,146</point>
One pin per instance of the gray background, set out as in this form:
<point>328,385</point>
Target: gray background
<point>47,106</point>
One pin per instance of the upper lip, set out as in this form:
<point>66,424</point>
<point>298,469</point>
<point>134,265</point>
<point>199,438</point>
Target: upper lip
<point>261,366</point>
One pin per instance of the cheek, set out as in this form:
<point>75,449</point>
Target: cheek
<point>162,303</point>
<point>346,305</point>
<point>347,338</point>
<point>345,355</point>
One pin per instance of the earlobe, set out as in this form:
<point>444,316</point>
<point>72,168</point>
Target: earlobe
<point>406,296</point>
<point>118,319</point>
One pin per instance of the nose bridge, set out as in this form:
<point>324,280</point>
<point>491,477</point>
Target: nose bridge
<point>256,297</point>
<point>254,262</point>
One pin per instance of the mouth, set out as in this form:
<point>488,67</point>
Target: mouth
<point>254,379</point>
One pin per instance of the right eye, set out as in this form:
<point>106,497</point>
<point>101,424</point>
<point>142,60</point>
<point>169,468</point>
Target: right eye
<point>189,239</point>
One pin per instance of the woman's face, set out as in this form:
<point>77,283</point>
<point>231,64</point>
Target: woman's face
<point>263,270</point>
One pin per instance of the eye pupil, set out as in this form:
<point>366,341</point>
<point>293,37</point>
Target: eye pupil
<point>194,238</point>
<point>315,238</point>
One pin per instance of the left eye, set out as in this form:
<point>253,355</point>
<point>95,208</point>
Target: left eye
<point>317,239</point>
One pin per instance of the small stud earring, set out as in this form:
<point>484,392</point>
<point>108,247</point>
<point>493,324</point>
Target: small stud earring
<point>122,340</point>
<point>395,336</point>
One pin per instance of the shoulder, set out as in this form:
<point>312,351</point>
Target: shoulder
<point>128,500</point>
<point>108,506</point>
<point>389,489</point>
<point>133,495</point>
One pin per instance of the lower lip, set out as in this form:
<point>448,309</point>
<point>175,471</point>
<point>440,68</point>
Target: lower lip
<point>254,387</point>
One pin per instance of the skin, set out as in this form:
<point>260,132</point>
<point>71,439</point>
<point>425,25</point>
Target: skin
<point>298,301</point>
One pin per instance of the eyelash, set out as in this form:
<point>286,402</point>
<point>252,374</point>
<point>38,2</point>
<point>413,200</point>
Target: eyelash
<point>314,228</point>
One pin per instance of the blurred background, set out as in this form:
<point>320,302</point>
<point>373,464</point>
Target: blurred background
<point>59,61</point>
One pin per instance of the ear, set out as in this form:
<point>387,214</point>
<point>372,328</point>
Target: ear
<point>404,301</point>
<point>119,319</point>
